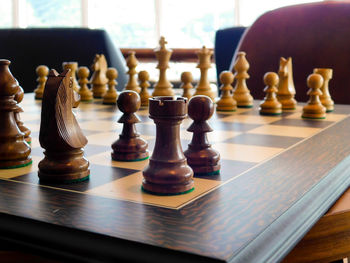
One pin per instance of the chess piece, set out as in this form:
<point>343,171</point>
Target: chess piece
<point>42,71</point>
<point>130,146</point>
<point>314,108</point>
<point>73,66</point>
<point>186,79</point>
<point>286,90</point>
<point>98,79</point>
<point>163,87</point>
<point>132,62</point>
<point>325,98</point>
<point>241,92</point>
<point>111,95</point>
<point>203,159</point>
<point>60,134</point>
<point>84,91</point>
<point>144,84</point>
<point>203,86</point>
<point>14,150</point>
<point>226,101</point>
<point>270,105</point>
<point>18,98</point>
<point>167,172</point>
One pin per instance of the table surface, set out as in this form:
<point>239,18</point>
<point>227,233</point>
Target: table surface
<point>279,176</point>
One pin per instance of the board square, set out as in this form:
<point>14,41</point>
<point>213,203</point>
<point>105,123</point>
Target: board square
<point>252,119</point>
<point>290,131</point>
<point>11,173</point>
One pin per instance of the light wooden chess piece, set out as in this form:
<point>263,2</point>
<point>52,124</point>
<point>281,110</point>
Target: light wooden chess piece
<point>314,108</point>
<point>241,92</point>
<point>186,79</point>
<point>42,71</point>
<point>18,98</point>
<point>84,91</point>
<point>226,101</point>
<point>270,105</point>
<point>203,86</point>
<point>73,66</point>
<point>98,79</point>
<point>144,84</point>
<point>60,134</point>
<point>325,98</point>
<point>286,90</point>
<point>111,95</point>
<point>132,62</point>
<point>163,87</point>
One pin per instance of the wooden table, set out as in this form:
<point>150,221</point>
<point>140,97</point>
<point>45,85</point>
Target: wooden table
<point>256,211</point>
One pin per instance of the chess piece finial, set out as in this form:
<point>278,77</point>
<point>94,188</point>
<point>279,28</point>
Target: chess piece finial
<point>73,66</point>
<point>167,172</point>
<point>270,105</point>
<point>42,71</point>
<point>314,108</point>
<point>204,64</point>
<point>60,134</point>
<point>241,92</point>
<point>144,84</point>
<point>18,98</point>
<point>186,79</point>
<point>163,87</point>
<point>226,101</point>
<point>111,95</point>
<point>132,62</point>
<point>14,150</point>
<point>98,79</point>
<point>203,159</point>
<point>286,89</point>
<point>84,91</point>
<point>130,146</point>
<point>325,98</point>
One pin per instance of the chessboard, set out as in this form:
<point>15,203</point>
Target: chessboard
<point>270,165</point>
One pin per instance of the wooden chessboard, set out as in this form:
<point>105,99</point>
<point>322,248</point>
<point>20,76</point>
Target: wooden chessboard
<point>279,175</point>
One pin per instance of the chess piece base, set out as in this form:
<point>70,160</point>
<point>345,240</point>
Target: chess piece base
<point>226,105</point>
<point>131,149</point>
<point>287,103</point>
<point>87,96</point>
<point>314,111</point>
<point>164,194</point>
<point>65,167</point>
<point>270,108</point>
<point>99,91</point>
<point>329,104</point>
<point>203,161</point>
<point>15,163</point>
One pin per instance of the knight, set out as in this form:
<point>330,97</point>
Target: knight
<point>286,90</point>
<point>98,79</point>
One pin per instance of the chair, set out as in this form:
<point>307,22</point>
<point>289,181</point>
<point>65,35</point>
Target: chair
<point>315,35</point>
<point>29,48</point>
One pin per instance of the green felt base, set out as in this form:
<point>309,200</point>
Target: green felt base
<point>208,174</point>
<point>86,101</point>
<point>17,166</point>
<point>245,107</point>
<point>163,194</point>
<point>30,142</point>
<point>270,114</point>
<point>38,98</point>
<point>311,118</point>
<point>329,111</point>
<point>135,160</point>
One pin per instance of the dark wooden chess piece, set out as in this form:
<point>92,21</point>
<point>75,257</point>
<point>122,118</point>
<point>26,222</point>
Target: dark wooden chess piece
<point>19,97</point>
<point>60,134</point>
<point>203,159</point>
<point>130,146</point>
<point>14,150</point>
<point>168,172</point>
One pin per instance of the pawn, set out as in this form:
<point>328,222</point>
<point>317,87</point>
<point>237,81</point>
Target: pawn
<point>111,95</point>
<point>325,98</point>
<point>241,92</point>
<point>186,79</point>
<point>129,147</point>
<point>132,62</point>
<point>84,91</point>
<point>226,101</point>
<point>73,66</point>
<point>42,72</point>
<point>314,108</point>
<point>144,84</point>
<point>203,159</point>
<point>270,105</point>
<point>19,97</point>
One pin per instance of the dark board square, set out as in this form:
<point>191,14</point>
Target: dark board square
<point>303,123</point>
<point>99,175</point>
<point>264,140</point>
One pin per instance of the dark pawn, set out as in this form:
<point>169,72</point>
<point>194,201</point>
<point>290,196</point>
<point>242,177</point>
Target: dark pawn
<point>200,156</point>
<point>129,147</point>
<point>14,150</point>
<point>19,97</point>
<point>168,172</point>
<point>60,134</point>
